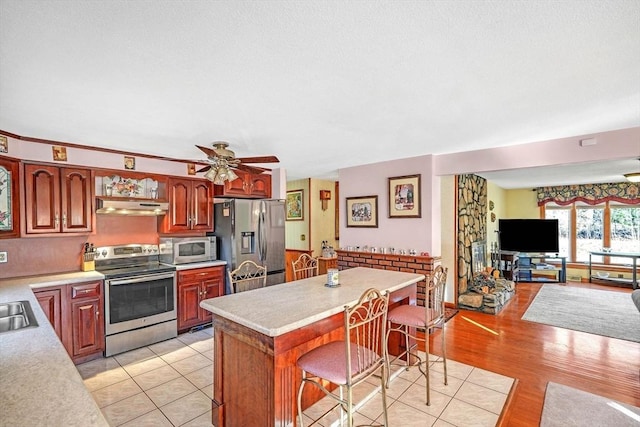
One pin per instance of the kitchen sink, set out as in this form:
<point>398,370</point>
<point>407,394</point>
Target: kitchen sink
<point>16,315</point>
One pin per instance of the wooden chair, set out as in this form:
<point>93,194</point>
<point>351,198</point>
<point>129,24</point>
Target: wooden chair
<point>305,266</point>
<point>247,276</point>
<point>363,345</point>
<point>406,319</point>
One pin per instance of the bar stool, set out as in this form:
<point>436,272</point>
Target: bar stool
<point>408,318</point>
<point>247,276</point>
<point>350,361</point>
<point>305,266</point>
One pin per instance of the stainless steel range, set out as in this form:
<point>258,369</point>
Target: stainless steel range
<point>140,297</point>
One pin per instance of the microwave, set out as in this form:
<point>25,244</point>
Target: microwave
<point>183,250</point>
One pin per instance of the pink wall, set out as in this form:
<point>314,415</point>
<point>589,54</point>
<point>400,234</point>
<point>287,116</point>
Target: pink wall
<point>421,234</point>
<point>45,255</point>
<point>424,234</point>
<point>618,144</point>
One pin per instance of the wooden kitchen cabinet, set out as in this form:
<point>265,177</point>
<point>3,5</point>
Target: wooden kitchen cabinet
<point>9,198</point>
<point>76,314</point>
<point>190,206</point>
<point>194,286</point>
<point>248,185</point>
<point>57,200</point>
<point>87,324</point>
<point>50,300</point>
<point>326,263</point>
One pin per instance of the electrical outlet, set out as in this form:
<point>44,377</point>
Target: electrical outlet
<point>620,276</point>
<point>3,256</point>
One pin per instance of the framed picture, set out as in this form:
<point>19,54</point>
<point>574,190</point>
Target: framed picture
<point>362,211</point>
<point>404,196</point>
<point>59,153</point>
<point>129,163</point>
<point>4,144</point>
<point>295,205</point>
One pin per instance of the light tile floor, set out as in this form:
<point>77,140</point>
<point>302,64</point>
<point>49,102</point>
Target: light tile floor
<point>170,384</point>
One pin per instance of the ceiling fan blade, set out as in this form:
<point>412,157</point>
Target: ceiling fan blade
<point>204,169</point>
<point>259,159</point>
<point>208,151</point>
<point>251,169</point>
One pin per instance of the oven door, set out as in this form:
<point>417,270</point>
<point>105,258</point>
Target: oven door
<point>139,301</point>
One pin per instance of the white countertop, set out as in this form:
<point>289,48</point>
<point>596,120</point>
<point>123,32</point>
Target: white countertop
<point>191,266</point>
<point>40,384</point>
<point>276,310</point>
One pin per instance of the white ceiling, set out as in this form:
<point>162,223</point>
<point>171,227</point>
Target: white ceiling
<point>321,84</point>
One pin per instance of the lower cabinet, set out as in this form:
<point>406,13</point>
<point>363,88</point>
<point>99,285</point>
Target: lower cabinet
<point>76,314</point>
<point>325,264</point>
<point>194,286</point>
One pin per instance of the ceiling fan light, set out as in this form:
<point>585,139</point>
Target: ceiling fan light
<point>221,176</point>
<point>633,177</point>
<point>232,175</point>
<point>211,174</point>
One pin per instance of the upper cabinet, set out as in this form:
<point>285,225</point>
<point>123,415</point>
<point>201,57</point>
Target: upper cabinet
<point>9,198</point>
<point>190,206</point>
<point>248,185</point>
<point>57,200</point>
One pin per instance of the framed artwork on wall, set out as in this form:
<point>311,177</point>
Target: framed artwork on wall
<point>295,205</point>
<point>362,211</point>
<point>404,196</point>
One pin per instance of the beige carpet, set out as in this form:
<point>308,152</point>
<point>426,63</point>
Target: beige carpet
<point>599,312</point>
<point>565,406</point>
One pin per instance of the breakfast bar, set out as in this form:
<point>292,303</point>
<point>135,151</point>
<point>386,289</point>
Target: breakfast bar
<point>259,335</point>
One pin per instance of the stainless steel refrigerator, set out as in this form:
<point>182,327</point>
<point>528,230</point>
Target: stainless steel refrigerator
<point>251,229</point>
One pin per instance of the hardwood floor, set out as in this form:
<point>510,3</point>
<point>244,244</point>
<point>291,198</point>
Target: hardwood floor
<point>535,354</point>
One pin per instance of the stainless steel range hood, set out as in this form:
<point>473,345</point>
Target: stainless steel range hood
<point>130,207</point>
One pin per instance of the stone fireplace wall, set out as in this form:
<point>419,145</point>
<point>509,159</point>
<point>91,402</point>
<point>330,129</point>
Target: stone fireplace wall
<point>472,223</point>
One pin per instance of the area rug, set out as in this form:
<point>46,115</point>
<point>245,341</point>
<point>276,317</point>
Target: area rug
<point>606,313</point>
<point>565,406</point>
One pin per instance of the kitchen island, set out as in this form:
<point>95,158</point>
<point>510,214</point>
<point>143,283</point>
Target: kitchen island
<point>259,335</point>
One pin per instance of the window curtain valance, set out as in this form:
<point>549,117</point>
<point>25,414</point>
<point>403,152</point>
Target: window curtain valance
<point>591,194</point>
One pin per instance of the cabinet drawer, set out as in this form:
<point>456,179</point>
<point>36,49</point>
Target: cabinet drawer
<point>199,274</point>
<point>85,290</point>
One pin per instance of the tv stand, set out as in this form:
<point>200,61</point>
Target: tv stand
<point>533,268</point>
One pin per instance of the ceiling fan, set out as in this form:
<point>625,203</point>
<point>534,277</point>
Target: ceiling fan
<point>221,157</point>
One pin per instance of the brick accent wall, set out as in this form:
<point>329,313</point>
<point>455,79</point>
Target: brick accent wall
<point>408,263</point>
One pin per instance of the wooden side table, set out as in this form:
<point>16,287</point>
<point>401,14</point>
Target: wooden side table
<point>326,263</point>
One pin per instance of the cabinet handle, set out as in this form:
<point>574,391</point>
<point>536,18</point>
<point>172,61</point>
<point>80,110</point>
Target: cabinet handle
<point>56,220</point>
<point>97,314</point>
<point>64,219</point>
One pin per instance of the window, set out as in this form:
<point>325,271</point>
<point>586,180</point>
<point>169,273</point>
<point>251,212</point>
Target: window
<point>625,231</point>
<point>563,215</point>
<point>583,228</point>
<point>589,232</point>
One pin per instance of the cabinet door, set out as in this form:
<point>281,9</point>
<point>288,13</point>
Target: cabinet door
<point>76,200</point>
<point>260,186</point>
<point>239,186</point>
<point>178,217</point>
<point>87,328</point>
<point>188,305</point>
<point>42,199</point>
<point>212,286</point>
<point>9,198</point>
<point>51,302</point>
<point>247,185</point>
<point>202,206</point>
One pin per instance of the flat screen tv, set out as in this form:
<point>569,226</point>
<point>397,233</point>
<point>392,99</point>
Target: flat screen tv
<point>529,235</point>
